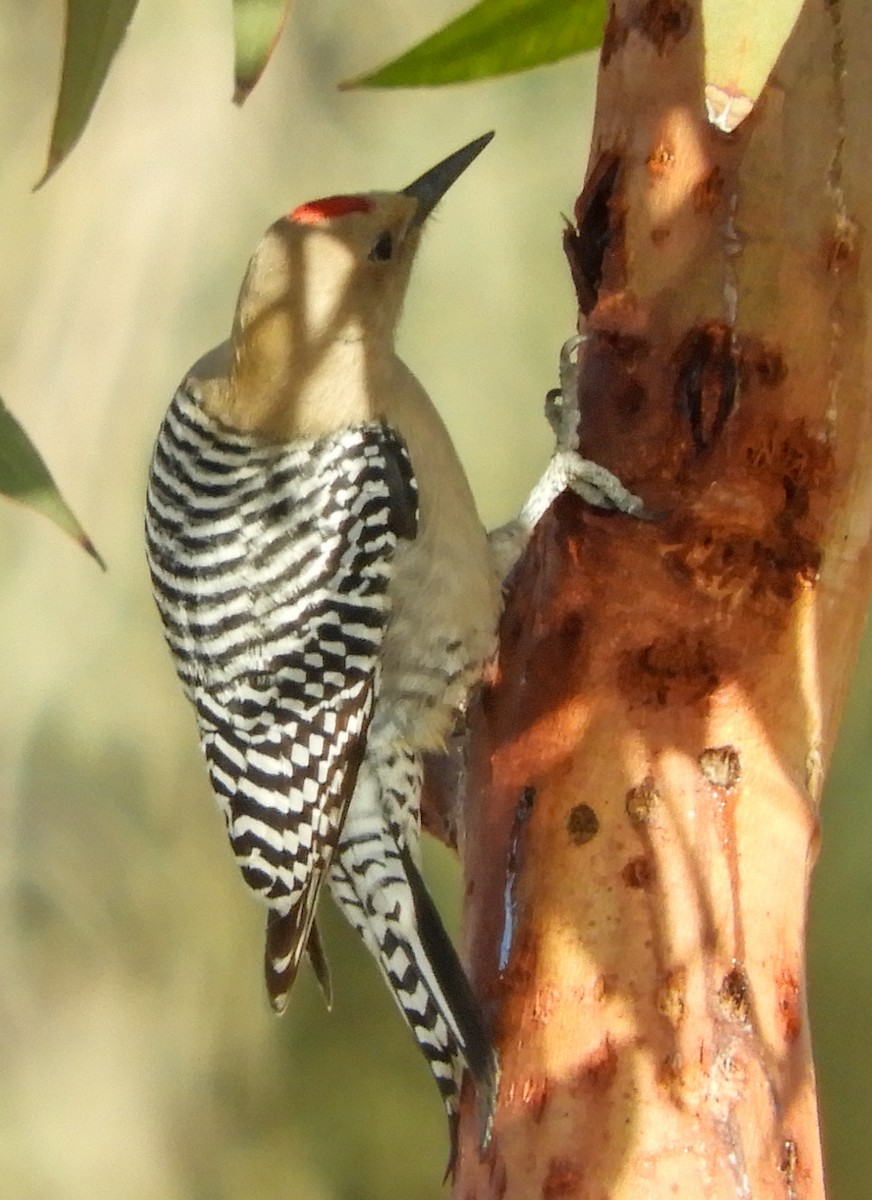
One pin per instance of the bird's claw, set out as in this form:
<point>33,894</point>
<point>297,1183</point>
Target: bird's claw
<point>595,484</point>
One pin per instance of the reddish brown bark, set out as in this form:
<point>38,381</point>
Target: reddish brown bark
<point>647,767</point>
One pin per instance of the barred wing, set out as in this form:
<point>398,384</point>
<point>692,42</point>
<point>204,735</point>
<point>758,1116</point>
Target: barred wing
<point>271,569</point>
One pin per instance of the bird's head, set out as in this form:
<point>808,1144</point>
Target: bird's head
<point>328,277</point>
<point>337,269</point>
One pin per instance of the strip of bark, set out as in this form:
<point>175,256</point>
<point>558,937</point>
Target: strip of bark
<point>647,767</point>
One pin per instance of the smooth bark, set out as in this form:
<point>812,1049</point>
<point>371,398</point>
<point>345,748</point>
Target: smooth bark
<point>646,768</point>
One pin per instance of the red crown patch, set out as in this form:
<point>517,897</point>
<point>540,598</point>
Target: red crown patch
<point>331,206</point>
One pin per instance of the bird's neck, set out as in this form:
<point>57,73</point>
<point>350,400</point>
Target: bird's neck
<point>280,388</point>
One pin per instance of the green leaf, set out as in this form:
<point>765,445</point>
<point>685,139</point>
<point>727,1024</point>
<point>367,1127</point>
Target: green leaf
<point>25,477</point>
<point>256,28</point>
<point>743,40</point>
<point>94,31</point>
<point>496,37</point>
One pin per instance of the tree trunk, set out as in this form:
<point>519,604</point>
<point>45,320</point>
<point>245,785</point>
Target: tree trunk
<point>646,768</point>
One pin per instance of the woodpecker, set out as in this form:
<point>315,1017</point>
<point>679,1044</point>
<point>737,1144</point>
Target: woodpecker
<point>329,597</point>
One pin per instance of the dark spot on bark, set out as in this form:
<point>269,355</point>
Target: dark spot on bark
<point>721,766</point>
<point>660,235</point>
<point>563,1178</point>
<point>597,225</point>
<point>679,669</point>
<point>707,381</point>
<point>764,555</point>
<point>582,824</point>
<point>786,556</point>
<point>706,195</point>
<point>664,22</point>
<point>614,36</point>
<point>734,995</point>
<point>795,502</point>
<point>792,452</point>
<point>628,348</point>
<point>571,629</point>
<point>789,1008</point>
<point>642,801</point>
<point>768,364</point>
<point>638,873</point>
<point>610,367</point>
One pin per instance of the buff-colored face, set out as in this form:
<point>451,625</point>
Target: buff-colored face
<point>319,305</point>
<point>336,268</point>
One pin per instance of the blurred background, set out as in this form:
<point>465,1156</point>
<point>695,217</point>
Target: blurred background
<point>138,1058</point>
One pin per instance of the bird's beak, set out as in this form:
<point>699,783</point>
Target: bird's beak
<point>433,184</point>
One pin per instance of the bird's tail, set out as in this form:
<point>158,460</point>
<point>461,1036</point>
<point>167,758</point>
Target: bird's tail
<point>380,890</point>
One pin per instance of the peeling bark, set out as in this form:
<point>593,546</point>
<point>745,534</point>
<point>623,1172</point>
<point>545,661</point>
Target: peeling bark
<point>645,769</point>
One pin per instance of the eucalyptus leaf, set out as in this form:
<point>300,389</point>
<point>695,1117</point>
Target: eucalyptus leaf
<point>94,31</point>
<point>256,28</point>
<point>743,40</point>
<point>496,37</point>
<point>25,477</point>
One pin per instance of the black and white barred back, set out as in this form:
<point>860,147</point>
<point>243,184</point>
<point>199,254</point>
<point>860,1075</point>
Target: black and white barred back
<point>271,567</point>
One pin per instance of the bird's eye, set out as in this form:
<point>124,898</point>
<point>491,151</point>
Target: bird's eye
<point>383,248</point>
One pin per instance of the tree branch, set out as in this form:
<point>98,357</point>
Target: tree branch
<point>646,768</point>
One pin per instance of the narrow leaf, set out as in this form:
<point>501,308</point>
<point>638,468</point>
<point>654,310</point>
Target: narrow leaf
<point>743,39</point>
<point>94,31</point>
<point>496,37</point>
<point>25,477</point>
<point>256,28</point>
